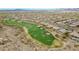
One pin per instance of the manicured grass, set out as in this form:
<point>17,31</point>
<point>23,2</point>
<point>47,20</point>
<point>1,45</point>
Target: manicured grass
<point>34,30</point>
<point>41,35</point>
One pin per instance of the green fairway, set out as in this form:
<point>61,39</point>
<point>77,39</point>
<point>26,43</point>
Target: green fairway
<point>34,30</point>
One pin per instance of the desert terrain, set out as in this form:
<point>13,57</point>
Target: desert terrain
<point>64,26</point>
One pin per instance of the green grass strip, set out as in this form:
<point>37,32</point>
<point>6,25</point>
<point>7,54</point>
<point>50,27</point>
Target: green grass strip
<point>34,30</point>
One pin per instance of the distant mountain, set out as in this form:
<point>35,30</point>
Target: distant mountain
<point>38,10</point>
<point>71,9</point>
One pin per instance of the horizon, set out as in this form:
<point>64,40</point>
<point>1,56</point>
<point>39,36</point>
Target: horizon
<point>35,8</point>
<point>29,8</point>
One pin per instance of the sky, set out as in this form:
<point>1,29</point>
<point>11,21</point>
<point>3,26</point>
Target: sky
<point>39,4</point>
